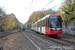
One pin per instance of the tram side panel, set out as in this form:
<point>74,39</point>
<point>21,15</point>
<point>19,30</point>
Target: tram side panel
<point>43,26</point>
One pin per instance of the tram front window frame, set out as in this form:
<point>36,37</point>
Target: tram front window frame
<point>55,22</point>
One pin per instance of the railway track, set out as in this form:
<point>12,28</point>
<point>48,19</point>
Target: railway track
<point>61,41</point>
<point>68,40</point>
<point>31,41</point>
<point>39,47</point>
<point>41,40</point>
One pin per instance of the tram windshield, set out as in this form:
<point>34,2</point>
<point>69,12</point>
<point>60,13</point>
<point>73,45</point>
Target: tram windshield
<point>55,22</point>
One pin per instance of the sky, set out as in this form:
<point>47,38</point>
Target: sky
<point>24,8</point>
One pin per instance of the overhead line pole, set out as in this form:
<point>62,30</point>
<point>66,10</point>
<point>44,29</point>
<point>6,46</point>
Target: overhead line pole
<point>0,21</point>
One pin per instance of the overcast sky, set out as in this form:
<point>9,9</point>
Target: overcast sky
<point>24,8</point>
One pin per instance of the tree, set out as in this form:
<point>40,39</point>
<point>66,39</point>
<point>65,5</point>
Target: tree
<point>67,10</point>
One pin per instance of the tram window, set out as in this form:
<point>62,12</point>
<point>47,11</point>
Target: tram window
<point>42,23</point>
<point>38,24</point>
<point>34,25</point>
<point>47,22</point>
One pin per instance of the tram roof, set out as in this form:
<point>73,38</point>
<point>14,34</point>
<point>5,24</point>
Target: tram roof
<point>45,17</point>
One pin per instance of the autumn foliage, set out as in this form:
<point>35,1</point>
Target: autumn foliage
<point>9,21</point>
<point>67,10</point>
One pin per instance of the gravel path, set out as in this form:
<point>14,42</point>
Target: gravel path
<point>17,41</point>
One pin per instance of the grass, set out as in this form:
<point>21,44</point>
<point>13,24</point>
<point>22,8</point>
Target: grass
<point>65,35</point>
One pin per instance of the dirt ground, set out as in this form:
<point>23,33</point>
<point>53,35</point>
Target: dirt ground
<point>8,41</point>
<point>16,41</point>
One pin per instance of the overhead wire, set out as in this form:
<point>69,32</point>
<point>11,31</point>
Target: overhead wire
<point>30,7</point>
<point>34,4</point>
<point>48,4</point>
<point>53,6</point>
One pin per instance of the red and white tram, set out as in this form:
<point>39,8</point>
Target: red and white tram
<point>49,25</point>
